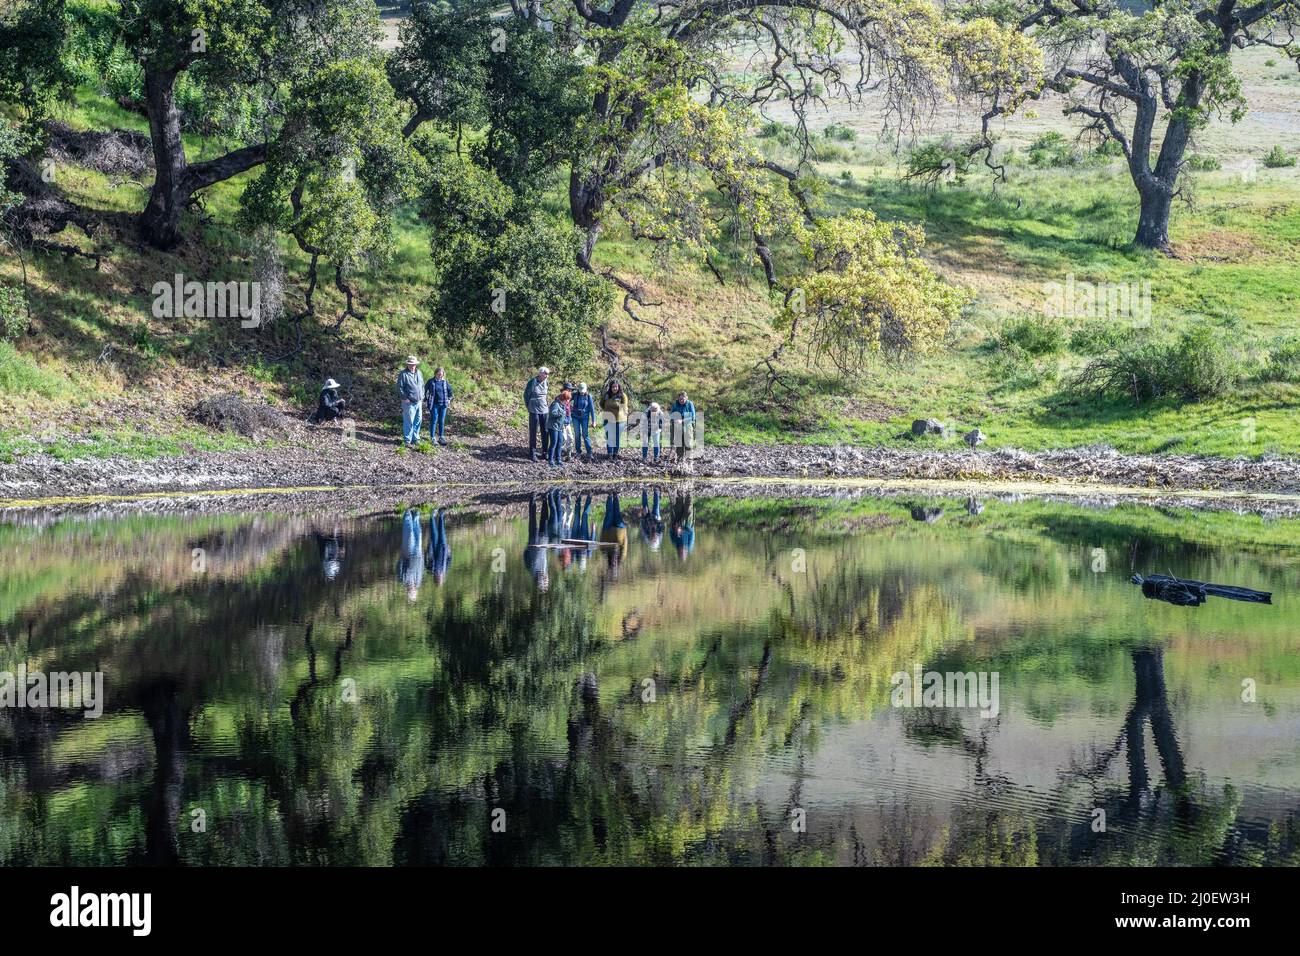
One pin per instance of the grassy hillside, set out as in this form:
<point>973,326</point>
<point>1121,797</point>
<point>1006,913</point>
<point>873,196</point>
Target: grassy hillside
<point>97,374</point>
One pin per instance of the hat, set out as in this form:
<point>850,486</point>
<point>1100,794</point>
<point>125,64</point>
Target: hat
<point>582,386</point>
<point>412,360</point>
<point>330,383</point>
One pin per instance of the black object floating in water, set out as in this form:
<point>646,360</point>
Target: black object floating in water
<point>1185,593</point>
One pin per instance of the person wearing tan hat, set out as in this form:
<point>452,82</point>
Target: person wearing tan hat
<point>410,388</point>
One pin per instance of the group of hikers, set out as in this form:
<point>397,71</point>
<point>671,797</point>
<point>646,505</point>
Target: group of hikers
<point>417,396</point>
<point>562,425</point>
<point>559,426</point>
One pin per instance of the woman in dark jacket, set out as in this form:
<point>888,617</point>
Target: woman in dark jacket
<point>555,421</point>
<point>437,396</point>
<point>330,406</point>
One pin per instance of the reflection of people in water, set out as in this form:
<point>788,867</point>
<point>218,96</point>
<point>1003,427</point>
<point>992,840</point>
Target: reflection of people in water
<point>681,530</point>
<point>652,522</point>
<point>613,531</point>
<point>410,566</point>
<point>580,530</point>
<point>332,552</point>
<point>554,516</point>
<point>535,551</point>
<point>439,555</point>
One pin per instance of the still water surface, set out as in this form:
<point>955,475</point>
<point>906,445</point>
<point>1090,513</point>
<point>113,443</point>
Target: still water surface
<point>712,682</point>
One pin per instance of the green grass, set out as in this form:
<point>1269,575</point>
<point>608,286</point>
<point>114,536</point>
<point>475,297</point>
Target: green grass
<point>52,439</point>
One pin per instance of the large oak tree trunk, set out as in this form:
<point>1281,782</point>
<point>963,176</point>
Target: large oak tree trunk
<point>175,179</point>
<point>1153,220</point>
<point>160,222</point>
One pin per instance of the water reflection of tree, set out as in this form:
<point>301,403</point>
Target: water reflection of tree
<point>1177,821</point>
<point>496,695</point>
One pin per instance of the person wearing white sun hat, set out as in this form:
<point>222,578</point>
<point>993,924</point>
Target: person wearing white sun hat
<point>330,406</point>
<point>410,388</point>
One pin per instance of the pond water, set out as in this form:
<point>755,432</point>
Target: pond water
<point>723,681</point>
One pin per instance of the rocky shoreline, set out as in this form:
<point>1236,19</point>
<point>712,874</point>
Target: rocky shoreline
<point>322,459</point>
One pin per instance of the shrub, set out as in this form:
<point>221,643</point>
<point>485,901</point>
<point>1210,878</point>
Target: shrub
<point>1052,150</point>
<point>1278,158</point>
<point>1014,368</point>
<point>1033,334</point>
<point>1195,364</point>
<point>20,375</point>
<point>840,132</point>
<point>833,152</point>
<point>13,313</point>
<point>1204,164</point>
<point>942,160</point>
<point>1096,336</point>
<point>1283,363</point>
<point>1109,149</point>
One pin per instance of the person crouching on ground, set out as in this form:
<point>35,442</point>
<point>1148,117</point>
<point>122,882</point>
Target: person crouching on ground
<point>613,408</point>
<point>437,396</point>
<point>330,406</point>
<point>537,406</point>
<point>652,429</point>
<point>584,416</point>
<point>410,388</point>
<point>555,420</point>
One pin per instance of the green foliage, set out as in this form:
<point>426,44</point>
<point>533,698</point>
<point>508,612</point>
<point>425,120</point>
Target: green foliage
<point>341,167</point>
<point>1013,368</point>
<point>1283,364</point>
<point>1278,158</point>
<point>33,77</point>
<point>512,85</point>
<point>1051,150</point>
<point>1203,164</point>
<point>21,375</point>
<point>1193,365</point>
<point>516,289</point>
<point>941,160</point>
<point>13,312</point>
<point>1034,334</point>
<point>1095,336</point>
<point>13,300</point>
<point>866,291</point>
<point>778,131</point>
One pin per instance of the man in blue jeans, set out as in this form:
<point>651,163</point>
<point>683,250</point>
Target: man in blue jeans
<point>538,406</point>
<point>437,396</point>
<point>584,416</point>
<point>410,388</point>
